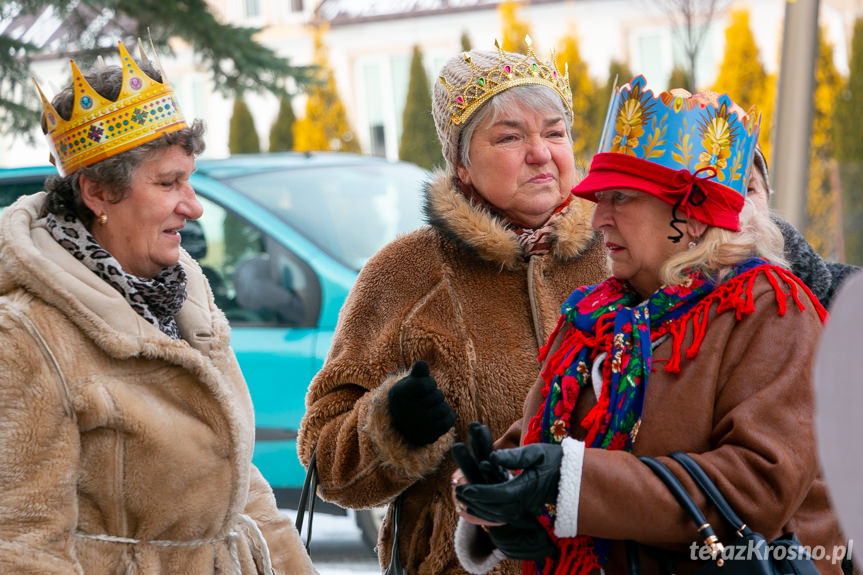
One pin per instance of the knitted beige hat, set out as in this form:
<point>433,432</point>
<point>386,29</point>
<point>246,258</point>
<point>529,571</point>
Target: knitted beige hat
<point>467,81</point>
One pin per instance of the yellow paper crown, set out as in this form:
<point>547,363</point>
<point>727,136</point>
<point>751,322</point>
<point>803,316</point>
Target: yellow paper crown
<point>505,74</point>
<point>99,128</point>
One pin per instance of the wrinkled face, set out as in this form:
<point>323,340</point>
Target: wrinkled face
<point>522,163</point>
<point>758,190</point>
<point>143,230</point>
<point>635,227</point>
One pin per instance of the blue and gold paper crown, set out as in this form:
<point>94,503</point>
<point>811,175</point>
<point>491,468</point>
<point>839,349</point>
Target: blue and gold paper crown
<point>99,128</point>
<point>681,131</point>
<point>506,73</point>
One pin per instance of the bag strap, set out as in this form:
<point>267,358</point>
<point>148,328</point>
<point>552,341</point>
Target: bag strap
<point>307,497</point>
<point>705,530</point>
<point>395,566</point>
<point>709,488</point>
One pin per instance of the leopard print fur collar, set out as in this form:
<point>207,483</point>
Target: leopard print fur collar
<point>156,299</point>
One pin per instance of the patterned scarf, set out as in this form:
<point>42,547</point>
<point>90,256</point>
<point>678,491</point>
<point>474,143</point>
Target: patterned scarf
<point>157,300</point>
<point>611,318</point>
<point>533,241</point>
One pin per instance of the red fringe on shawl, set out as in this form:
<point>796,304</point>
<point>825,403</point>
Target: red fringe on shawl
<point>735,295</point>
<point>574,560</point>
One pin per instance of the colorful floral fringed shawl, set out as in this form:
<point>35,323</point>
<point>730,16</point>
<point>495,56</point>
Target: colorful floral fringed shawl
<point>609,317</point>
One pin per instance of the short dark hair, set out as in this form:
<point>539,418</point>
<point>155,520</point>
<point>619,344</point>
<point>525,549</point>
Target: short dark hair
<point>114,173</point>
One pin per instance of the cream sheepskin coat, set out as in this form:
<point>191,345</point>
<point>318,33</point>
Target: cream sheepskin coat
<point>459,295</point>
<point>123,451</point>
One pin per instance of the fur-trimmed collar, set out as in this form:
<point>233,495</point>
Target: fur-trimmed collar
<point>476,229</point>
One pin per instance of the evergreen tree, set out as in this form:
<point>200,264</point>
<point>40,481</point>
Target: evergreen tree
<point>419,143</point>
<point>585,135</point>
<point>742,76</point>
<point>237,63</point>
<point>680,79</point>
<point>821,208</point>
<point>618,72</point>
<point>242,136</point>
<point>849,149</point>
<point>325,125</point>
<point>514,29</point>
<point>465,42</point>
<point>282,132</point>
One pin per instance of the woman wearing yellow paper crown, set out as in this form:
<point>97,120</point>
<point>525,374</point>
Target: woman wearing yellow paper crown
<point>701,341</point>
<point>126,429</point>
<point>443,326</point>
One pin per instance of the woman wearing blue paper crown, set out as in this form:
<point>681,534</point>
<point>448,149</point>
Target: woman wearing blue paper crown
<point>126,429</point>
<point>701,341</point>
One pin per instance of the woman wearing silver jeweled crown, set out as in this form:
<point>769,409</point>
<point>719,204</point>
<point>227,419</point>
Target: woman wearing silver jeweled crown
<point>126,429</point>
<point>444,325</point>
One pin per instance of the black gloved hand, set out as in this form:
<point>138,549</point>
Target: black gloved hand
<point>473,459</point>
<point>418,408</point>
<point>525,494</point>
<point>524,541</point>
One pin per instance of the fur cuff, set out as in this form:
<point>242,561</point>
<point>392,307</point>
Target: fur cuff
<point>566,524</point>
<point>475,551</point>
<point>394,451</point>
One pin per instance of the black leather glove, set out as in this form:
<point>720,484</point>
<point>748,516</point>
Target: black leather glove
<point>418,408</point>
<point>473,459</point>
<point>524,542</point>
<point>525,494</point>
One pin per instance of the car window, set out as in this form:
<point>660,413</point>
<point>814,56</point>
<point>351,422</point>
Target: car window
<point>14,188</point>
<point>350,212</point>
<point>255,280</point>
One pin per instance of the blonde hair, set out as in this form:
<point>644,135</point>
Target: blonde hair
<point>720,250</point>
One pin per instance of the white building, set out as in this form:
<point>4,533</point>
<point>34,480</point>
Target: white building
<point>370,44</point>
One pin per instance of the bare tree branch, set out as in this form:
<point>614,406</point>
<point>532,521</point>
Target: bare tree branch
<point>691,20</point>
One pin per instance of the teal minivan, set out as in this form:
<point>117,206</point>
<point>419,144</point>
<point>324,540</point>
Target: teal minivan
<point>282,239</point>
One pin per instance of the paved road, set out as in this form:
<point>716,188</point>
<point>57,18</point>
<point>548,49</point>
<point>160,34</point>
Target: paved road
<point>337,546</point>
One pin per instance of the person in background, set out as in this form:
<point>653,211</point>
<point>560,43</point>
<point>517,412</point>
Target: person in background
<point>443,325</point>
<point>822,277</point>
<point>701,341</point>
<point>126,428</point>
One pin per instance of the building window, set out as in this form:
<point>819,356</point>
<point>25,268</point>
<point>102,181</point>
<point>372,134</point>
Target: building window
<point>253,8</point>
<point>296,5</point>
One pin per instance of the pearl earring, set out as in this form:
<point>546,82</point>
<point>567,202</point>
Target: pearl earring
<point>692,245</point>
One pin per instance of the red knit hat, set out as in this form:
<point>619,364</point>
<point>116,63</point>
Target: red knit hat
<point>692,151</point>
<point>700,197</point>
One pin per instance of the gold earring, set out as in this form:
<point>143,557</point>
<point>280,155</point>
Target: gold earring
<point>103,218</point>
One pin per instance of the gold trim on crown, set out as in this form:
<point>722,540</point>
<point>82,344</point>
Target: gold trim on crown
<point>506,74</point>
<point>99,128</point>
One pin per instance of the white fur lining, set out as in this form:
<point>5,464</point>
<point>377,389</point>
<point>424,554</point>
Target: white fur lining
<point>470,550</point>
<point>566,523</point>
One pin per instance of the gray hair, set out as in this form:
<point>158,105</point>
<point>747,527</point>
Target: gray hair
<point>536,97</point>
<point>759,162</point>
<point>115,173</point>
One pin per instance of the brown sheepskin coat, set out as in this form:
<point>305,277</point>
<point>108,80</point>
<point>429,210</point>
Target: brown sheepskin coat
<point>113,435</point>
<point>459,295</point>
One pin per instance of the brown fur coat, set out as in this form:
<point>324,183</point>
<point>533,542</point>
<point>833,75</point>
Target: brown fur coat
<point>110,429</point>
<point>459,295</point>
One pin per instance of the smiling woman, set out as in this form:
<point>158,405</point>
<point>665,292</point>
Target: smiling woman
<point>115,362</point>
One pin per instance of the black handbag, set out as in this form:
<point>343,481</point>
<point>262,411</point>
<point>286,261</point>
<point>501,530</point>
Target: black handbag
<point>749,554</point>
<point>307,501</point>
